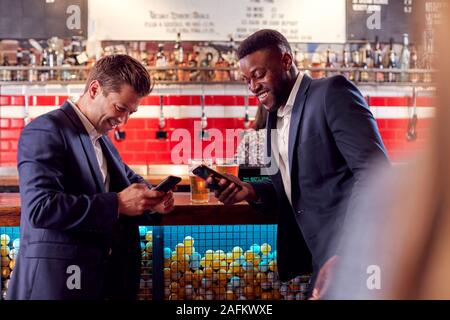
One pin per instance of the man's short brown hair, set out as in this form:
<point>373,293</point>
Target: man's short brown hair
<point>113,71</point>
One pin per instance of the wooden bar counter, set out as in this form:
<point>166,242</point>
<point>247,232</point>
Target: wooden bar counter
<point>185,213</point>
<point>13,181</point>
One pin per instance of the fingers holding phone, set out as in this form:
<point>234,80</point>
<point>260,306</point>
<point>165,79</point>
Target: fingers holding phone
<point>166,205</point>
<point>137,198</point>
<point>230,189</point>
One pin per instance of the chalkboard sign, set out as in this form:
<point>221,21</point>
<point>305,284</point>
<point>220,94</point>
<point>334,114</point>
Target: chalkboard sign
<point>320,21</point>
<point>385,19</point>
<point>391,18</point>
<point>42,19</point>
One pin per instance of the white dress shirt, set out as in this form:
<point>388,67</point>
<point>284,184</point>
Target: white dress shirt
<point>282,146</point>
<point>94,136</point>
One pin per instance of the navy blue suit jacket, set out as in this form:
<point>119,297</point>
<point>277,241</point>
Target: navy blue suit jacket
<point>333,139</point>
<point>68,219</point>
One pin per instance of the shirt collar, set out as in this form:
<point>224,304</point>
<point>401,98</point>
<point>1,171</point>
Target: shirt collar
<point>90,129</point>
<point>286,109</point>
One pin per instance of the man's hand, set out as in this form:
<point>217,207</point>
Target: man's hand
<point>324,278</point>
<point>166,205</point>
<point>229,193</point>
<point>137,198</point>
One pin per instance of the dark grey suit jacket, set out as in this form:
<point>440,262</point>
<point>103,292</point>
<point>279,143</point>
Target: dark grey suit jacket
<point>68,218</point>
<point>333,140</point>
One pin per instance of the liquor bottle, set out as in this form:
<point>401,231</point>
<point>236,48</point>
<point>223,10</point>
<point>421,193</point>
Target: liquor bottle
<point>6,74</point>
<point>233,61</point>
<point>161,61</point>
<point>143,56</point>
<point>178,51</point>
<point>207,75</point>
<point>405,59</point>
<point>356,60</point>
<point>364,77</point>
<point>369,55</point>
<point>346,64</point>
<point>414,64</point>
<point>32,73</point>
<point>369,60</point>
<point>19,63</point>
<point>392,63</point>
<point>44,75</point>
<point>51,60</point>
<point>378,61</point>
<point>220,74</point>
<point>316,62</point>
<point>329,63</point>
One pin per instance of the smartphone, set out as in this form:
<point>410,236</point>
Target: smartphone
<point>168,183</point>
<point>204,172</point>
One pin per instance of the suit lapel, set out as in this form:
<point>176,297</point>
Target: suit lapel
<point>296,116</point>
<point>115,167</point>
<point>87,145</point>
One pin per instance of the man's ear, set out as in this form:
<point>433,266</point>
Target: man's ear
<point>94,89</point>
<point>287,61</point>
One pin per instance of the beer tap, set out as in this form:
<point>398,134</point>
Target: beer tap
<point>411,134</point>
<point>119,134</point>
<point>161,133</point>
<point>204,135</point>
<point>246,117</point>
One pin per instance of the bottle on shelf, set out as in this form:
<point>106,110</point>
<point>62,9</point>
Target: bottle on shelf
<point>161,61</point>
<point>33,62</point>
<point>193,64</point>
<point>44,75</point>
<point>378,61</point>
<point>364,75</point>
<point>346,64</point>
<point>316,63</point>
<point>182,75</point>
<point>369,54</point>
<point>143,56</point>
<point>19,63</point>
<point>220,74</point>
<point>370,60</point>
<point>355,75</point>
<point>405,59</point>
<point>329,63</point>
<point>231,56</point>
<point>392,62</point>
<point>5,74</point>
<point>207,75</point>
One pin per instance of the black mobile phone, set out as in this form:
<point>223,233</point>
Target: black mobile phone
<point>205,172</point>
<point>168,183</point>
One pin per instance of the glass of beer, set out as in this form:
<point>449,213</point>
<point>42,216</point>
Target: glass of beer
<point>227,165</point>
<point>199,191</point>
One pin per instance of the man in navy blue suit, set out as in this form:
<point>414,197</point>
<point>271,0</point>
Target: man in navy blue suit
<point>80,203</point>
<point>323,139</point>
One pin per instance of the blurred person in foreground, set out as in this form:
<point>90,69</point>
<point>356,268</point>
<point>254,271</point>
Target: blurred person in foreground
<point>80,203</point>
<point>322,137</point>
<point>397,243</point>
